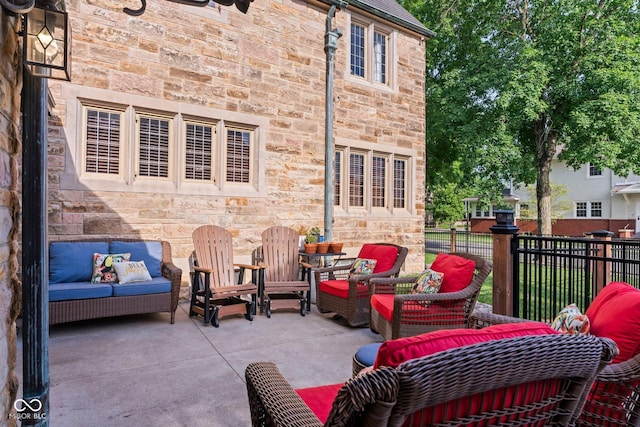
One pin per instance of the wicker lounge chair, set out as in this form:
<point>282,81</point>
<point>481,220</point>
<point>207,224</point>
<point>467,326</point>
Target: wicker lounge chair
<point>414,314</point>
<point>614,399</point>
<point>214,291</point>
<point>282,287</point>
<point>532,380</point>
<point>348,296</point>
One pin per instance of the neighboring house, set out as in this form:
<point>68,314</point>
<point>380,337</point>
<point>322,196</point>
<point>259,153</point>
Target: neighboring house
<point>596,199</point>
<point>186,115</point>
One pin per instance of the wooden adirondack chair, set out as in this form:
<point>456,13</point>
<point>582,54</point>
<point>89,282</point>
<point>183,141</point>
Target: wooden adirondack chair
<point>214,291</point>
<point>282,287</point>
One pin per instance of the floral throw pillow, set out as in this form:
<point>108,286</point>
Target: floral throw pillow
<point>428,282</point>
<point>103,270</point>
<point>571,321</point>
<point>362,267</point>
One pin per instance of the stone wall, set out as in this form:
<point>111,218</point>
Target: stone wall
<point>10,149</point>
<point>269,64</point>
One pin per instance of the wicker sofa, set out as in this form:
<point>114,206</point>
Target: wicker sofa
<point>73,297</point>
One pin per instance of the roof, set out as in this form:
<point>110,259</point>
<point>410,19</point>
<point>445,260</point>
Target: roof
<point>626,188</point>
<point>391,11</point>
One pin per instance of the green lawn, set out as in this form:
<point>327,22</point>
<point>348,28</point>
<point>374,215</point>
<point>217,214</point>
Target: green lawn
<point>486,293</point>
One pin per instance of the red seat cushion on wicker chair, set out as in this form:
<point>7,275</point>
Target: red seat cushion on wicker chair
<point>320,399</point>
<point>384,255</point>
<point>338,288</point>
<point>394,352</point>
<point>458,271</point>
<point>615,314</point>
<point>383,304</point>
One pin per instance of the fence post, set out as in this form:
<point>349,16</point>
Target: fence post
<point>452,239</point>
<point>601,268</point>
<point>503,233</point>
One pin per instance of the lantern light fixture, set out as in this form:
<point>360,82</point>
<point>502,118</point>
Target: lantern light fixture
<point>47,46</point>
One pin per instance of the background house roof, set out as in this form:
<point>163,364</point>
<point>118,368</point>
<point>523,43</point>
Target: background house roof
<point>391,11</point>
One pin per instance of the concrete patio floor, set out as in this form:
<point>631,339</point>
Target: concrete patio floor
<point>143,371</point>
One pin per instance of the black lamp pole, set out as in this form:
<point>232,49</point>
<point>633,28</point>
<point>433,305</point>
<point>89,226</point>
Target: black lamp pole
<point>35,269</point>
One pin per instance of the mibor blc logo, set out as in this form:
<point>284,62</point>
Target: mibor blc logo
<point>28,410</point>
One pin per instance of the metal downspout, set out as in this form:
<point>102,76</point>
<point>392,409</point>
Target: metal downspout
<point>331,37</point>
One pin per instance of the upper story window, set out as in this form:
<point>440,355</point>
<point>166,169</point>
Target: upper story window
<point>375,180</point>
<point>370,52</point>
<point>594,170</point>
<point>166,147</point>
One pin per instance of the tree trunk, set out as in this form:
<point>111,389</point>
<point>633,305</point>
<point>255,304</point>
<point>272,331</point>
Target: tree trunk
<point>546,140</point>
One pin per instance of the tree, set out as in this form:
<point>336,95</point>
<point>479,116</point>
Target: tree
<point>512,84</point>
<point>559,203</point>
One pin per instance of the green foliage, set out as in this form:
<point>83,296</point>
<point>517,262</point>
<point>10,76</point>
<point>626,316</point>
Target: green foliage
<point>511,85</point>
<point>312,235</point>
<point>446,204</point>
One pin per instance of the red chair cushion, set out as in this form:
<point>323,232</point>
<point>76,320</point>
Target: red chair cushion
<point>320,399</point>
<point>383,304</point>
<point>394,352</point>
<point>384,255</point>
<point>458,271</point>
<point>432,313</point>
<point>339,288</point>
<point>615,314</point>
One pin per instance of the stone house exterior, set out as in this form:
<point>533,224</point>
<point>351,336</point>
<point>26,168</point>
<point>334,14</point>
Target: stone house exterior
<point>10,152</point>
<point>187,115</point>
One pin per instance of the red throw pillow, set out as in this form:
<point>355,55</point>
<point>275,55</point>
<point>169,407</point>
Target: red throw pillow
<point>384,255</point>
<point>458,271</point>
<point>615,314</point>
<point>394,352</point>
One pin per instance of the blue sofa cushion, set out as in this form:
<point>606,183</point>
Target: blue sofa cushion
<point>156,285</point>
<point>73,261</point>
<point>149,252</point>
<point>79,290</point>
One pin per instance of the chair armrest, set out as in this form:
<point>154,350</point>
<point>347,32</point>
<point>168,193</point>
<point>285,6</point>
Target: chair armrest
<point>250,266</point>
<point>305,264</point>
<point>272,400</point>
<point>202,269</point>
<point>481,320</point>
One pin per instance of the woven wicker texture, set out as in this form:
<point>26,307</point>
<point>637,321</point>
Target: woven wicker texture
<point>443,310</point>
<point>557,369</point>
<point>355,308</point>
<point>95,308</point>
<point>615,399</point>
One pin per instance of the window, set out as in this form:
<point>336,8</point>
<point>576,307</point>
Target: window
<point>199,152</point>
<point>478,211</point>
<point>238,156</point>
<point>369,52</point>
<point>379,178</point>
<point>153,152</point>
<point>375,180</point>
<point>102,132</point>
<point>168,147</point>
<point>399,183</point>
<point>588,209</point>
<point>356,179</point>
<point>594,170</point>
<point>581,209</point>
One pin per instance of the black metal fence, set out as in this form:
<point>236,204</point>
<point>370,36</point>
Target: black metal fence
<point>442,240</point>
<point>551,272</point>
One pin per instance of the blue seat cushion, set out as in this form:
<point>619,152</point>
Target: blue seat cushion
<point>79,290</point>
<point>366,354</point>
<point>149,252</point>
<point>71,262</point>
<point>156,285</point>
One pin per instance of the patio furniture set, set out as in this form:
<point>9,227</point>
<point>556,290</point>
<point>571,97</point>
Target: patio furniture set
<point>443,364</point>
